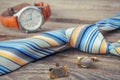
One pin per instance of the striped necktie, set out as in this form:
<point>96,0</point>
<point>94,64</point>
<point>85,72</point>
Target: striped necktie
<point>87,38</point>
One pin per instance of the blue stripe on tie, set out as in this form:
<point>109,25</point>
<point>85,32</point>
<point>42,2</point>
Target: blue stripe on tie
<point>80,35</point>
<point>59,37</point>
<point>42,40</point>
<point>111,22</point>
<point>31,44</point>
<point>85,30</point>
<point>46,51</point>
<point>33,56</point>
<point>37,41</point>
<point>88,31</point>
<point>3,68</point>
<point>2,72</point>
<point>114,21</point>
<point>53,38</point>
<point>35,49</point>
<point>108,45</point>
<point>90,40</point>
<point>17,53</point>
<point>24,41</point>
<point>38,49</point>
<point>86,43</point>
<point>110,25</point>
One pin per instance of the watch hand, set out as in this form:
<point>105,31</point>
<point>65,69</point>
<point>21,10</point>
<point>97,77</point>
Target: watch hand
<point>31,16</point>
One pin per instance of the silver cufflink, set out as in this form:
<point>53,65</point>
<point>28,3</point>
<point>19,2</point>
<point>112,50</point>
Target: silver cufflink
<point>86,62</point>
<point>58,71</point>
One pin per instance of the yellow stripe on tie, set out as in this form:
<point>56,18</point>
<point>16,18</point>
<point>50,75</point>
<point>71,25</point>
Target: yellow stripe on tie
<point>12,57</point>
<point>103,47</point>
<point>50,41</point>
<point>118,50</point>
<point>74,36</point>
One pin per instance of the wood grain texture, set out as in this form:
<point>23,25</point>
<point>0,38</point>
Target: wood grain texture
<point>65,14</point>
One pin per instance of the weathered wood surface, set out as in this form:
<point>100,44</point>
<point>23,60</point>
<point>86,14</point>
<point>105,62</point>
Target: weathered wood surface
<point>68,13</point>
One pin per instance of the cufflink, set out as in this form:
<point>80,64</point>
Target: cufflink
<point>58,71</point>
<point>86,62</point>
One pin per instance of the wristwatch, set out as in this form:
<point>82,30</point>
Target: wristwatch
<point>25,16</point>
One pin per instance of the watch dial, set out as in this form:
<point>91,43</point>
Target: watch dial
<point>30,19</point>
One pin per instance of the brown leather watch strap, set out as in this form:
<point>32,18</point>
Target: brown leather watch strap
<point>8,20</point>
<point>45,9</point>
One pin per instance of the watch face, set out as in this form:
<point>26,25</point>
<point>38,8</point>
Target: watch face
<point>31,19</point>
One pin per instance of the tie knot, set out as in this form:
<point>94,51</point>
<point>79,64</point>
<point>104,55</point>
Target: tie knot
<point>87,39</point>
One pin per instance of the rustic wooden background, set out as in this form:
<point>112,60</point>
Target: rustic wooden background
<point>65,14</point>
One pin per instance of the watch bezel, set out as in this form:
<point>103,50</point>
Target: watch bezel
<point>19,16</point>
